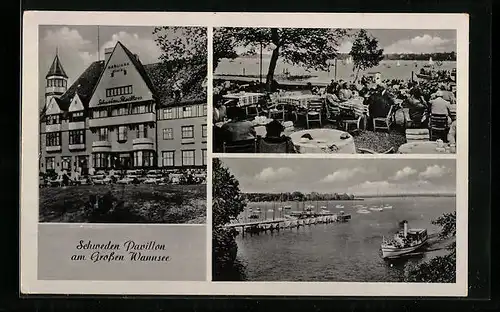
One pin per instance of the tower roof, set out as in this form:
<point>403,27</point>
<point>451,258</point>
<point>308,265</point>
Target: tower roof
<point>56,69</point>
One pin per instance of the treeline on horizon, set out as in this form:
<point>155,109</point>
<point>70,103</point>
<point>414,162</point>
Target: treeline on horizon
<point>299,196</point>
<point>438,56</point>
<point>296,196</point>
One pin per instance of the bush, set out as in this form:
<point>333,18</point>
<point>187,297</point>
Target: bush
<point>227,203</point>
<point>441,269</point>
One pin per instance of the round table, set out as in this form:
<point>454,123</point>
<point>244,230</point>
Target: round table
<point>427,147</point>
<point>324,141</point>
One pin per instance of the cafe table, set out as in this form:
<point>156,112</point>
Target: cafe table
<point>426,147</point>
<point>244,98</point>
<point>327,141</point>
<point>300,100</point>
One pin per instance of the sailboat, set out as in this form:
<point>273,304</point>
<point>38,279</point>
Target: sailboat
<point>430,61</point>
<point>398,64</point>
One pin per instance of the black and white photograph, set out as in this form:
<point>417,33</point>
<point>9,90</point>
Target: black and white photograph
<point>334,220</point>
<point>123,124</point>
<point>324,90</point>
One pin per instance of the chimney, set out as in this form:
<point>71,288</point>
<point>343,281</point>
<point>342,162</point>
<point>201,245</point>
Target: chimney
<point>107,54</point>
<point>405,231</point>
<point>136,57</point>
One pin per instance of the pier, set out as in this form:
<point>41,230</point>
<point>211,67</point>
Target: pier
<point>257,227</point>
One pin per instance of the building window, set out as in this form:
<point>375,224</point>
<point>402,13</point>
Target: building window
<point>142,132</point>
<point>141,109</point>
<point>188,158</point>
<point>101,113</point>
<point>168,133</point>
<point>144,159</point>
<point>187,132</point>
<point>204,157</point>
<point>187,111</point>
<point>53,119</point>
<point>204,109</point>
<point>203,131</point>
<point>100,160</point>
<point>53,139</point>
<point>76,137</point>
<point>118,91</point>
<point>120,111</point>
<point>168,113</point>
<point>66,163</point>
<point>50,163</point>
<point>168,158</point>
<point>77,116</point>
<point>122,134</point>
<point>102,134</point>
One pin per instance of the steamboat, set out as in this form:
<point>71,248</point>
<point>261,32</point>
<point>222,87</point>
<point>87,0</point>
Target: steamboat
<point>405,241</point>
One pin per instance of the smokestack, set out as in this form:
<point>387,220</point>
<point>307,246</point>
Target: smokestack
<point>405,231</point>
<point>107,54</point>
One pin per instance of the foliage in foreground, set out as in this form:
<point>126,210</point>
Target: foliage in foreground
<point>227,203</point>
<point>441,269</point>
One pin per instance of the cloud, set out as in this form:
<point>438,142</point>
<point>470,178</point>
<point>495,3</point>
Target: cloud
<point>421,44</point>
<point>404,173</point>
<point>345,47</point>
<point>342,175</point>
<point>146,48</point>
<point>271,174</point>
<point>433,172</point>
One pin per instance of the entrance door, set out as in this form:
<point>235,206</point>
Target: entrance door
<point>125,161</point>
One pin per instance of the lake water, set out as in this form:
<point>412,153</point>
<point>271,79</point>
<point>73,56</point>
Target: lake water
<point>388,68</point>
<point>340,251</point>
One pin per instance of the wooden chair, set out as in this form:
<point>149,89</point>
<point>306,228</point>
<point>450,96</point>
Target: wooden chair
<point>277,111</point>
<point>383,122</point>
<point>438,126</point>
<point>243,146</point>
<point>252,111</point>
<point>314,111</point>
<point>276,145</point>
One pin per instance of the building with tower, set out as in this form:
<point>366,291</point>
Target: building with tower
<point>121,114</point>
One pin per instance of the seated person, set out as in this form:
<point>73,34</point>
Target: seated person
<point>238,129</point>
<point>417,109</point>
<point>452,133</point>
<point>275,142</point>
<point>438,105</point>
<point>344,93</point>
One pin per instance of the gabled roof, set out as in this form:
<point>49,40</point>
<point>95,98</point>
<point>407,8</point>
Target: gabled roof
<point>140,68</point>
<point>159,77</point>
<point>56,69</point>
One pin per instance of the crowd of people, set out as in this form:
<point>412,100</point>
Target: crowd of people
<point>420,99</point>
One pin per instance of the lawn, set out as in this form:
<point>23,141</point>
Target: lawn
<point>124,204</point>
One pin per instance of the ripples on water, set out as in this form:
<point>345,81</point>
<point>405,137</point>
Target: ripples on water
<point>340,251</point>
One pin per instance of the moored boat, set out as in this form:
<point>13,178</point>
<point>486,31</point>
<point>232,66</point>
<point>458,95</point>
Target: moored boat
<point>363,211</point>
<point>404,241</point>
<point>376,208</point>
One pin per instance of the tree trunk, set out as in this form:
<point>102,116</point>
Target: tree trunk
<point>274,59</point>
<point>357,74</point>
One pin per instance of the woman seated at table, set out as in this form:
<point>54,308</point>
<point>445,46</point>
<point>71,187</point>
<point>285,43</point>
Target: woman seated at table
<point>416,108</point>
<point>275,141</point>
<point>237,129</point>
<point>344,93</point>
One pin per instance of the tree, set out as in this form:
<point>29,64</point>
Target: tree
<point>365,52</point>
<point>441,269</point>
<point>227,203</point>
<point>184,57</point>
<point>307,47</point>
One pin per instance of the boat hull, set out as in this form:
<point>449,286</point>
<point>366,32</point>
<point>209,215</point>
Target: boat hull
<point>392,252</point>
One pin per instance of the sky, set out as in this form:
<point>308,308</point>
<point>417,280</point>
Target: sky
<point>353,176</point>
<point>404,41</point>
